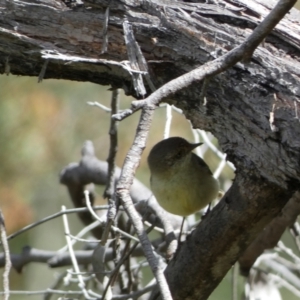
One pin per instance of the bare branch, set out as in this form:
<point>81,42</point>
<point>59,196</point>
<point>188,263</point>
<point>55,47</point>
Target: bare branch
<point>109,193</point>
<point>126,179</point>
<point>56,215</point>
<point>270,236</point>
<point>6,256</point>
<point>219,64</point>
<point>109,190</point>
<point>78,293</point>
<point>73,257</point>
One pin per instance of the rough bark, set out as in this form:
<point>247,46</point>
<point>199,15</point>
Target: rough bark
<point>175,38</point>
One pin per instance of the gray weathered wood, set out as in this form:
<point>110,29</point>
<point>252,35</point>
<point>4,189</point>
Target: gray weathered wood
<point>175,38</point>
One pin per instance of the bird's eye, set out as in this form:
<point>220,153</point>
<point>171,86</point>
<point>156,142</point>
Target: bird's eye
<point>179,154</point>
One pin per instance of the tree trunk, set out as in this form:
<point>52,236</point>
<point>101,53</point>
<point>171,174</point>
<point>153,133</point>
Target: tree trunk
<point>251,108</point>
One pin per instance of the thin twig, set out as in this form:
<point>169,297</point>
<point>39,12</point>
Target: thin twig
<point>56,215</point>
<point>282,282</point>
<point>169,232</point>
<point>77,239</point>
<point>78,293</point>
<point>135,295</point>
<point>98,260</point>
<point>73,257</point>
<point>117,243</point>
<point>220,167</point>
<point>116,229</point>
<point>129,276</point>
<point>111,160</point>
<point>115,272</point>
<point>105,108</point>
<point>125,256</point>
<point>7,266</point>
<point>42,292</point>
<point>55,285</point>
<point>126,179</point>
<point>168,121</point>
<point>272,265</point>
<point>295,232</point>
<point>288,251</point>
<point>79,235</point>
<point>53,259</point>
<point>235,275</point>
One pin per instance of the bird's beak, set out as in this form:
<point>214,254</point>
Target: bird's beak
<point>193,146</point>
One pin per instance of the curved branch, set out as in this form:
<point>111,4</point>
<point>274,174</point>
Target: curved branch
<point>56,260</point>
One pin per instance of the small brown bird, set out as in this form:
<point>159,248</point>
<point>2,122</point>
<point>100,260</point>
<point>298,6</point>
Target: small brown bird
<point>180,180</point>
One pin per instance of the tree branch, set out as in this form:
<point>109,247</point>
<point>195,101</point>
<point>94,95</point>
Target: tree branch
<point>270,236</point>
